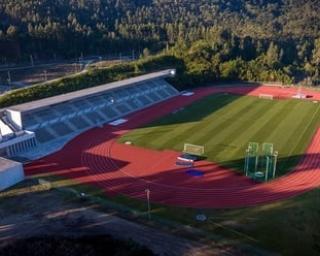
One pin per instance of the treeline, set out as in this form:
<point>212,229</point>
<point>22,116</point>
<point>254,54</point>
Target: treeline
<point>64,28</point>
<point>224,57</point>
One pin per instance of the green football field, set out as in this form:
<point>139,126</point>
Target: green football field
<point>225,124</point>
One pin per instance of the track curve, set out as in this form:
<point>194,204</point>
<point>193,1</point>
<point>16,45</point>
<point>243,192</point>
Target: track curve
<point>95,157</point>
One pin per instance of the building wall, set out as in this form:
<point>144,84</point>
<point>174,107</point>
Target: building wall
<point>15,117</point>
<point>16,145</point>
<point>11,175</point>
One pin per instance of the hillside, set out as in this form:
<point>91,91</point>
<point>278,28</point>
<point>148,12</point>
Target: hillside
<point>69,28</point>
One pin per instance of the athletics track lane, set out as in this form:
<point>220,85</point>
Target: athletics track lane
<point>95,158</point>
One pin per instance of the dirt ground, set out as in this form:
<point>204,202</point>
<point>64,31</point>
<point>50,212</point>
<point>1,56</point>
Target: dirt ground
<point>36,210</point>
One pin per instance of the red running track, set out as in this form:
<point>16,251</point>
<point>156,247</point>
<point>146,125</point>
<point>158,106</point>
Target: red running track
<point>95,157</point>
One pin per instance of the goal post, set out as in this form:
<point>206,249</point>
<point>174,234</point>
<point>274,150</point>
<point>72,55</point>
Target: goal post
<point>266,96</point>
<point>192,149</point>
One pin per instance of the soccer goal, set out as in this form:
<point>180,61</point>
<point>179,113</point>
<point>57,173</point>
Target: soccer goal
<point>192,149</point>
<point>266,96</point>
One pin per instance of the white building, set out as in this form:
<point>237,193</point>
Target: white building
<point>11,173</point>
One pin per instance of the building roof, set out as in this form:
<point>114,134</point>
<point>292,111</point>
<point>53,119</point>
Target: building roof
<point>6,164</point>
<point>46,102</point>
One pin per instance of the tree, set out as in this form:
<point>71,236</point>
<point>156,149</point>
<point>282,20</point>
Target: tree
<point>12,31</point>
<point>146,52</point>
<point>316,53</point>
<point>272,56</point>
<point>230,70</point>
<point>315,61</point>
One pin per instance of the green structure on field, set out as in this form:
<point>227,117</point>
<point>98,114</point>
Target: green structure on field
<point>260,167</point>
<point>252,158</point>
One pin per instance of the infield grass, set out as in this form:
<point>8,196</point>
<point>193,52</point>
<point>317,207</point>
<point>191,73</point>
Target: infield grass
<point>225,124</point>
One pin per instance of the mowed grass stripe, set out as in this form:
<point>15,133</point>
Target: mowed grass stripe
<point>198,109</point>
<point>226,127</point>
<point>298,142</point>
<point>188,125</point>
<point>202,128</point>
<point>218,137</point>
<point>215,123</point>
<point>282,135</point>
<point>260,128</point>
<point>257,123</point>
<point>284,126</point>
<point>190,115</point>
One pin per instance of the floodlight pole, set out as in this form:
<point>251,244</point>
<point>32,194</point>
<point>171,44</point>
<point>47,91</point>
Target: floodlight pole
<point>245,163</point>
<point>275,164</point>
<point>256,163</point>
<point>267,169</point>
<point>148,202</point>
<point>246,160</point>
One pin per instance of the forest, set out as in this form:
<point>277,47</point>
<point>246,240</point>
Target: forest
<point>262,40</point>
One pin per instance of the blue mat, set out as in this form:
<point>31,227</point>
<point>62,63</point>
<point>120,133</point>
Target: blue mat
<point>195,173</point>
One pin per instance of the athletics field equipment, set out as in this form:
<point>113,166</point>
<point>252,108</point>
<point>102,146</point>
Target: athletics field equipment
<point>260,167</point>
<point>97,158</point>
<point>190,154</point>
<point>251,159</point>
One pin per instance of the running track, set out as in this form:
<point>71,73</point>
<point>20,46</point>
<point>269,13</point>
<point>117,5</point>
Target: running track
<point>95,157</point>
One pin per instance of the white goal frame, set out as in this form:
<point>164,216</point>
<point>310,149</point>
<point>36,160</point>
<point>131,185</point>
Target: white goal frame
<point>266,96</point>
<point>193,149</point>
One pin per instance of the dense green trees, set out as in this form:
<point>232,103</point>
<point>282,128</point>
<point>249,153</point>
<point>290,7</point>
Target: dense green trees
<point>315,63</point>
<point>69,28</point>
<point>221,39</point>
<point>197,63</point>
<point>221,59</point>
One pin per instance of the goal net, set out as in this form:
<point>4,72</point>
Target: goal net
<point>193,149</point>
<point>266,96</point>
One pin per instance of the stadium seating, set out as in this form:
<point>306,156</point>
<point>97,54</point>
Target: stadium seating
<point>75,116</point>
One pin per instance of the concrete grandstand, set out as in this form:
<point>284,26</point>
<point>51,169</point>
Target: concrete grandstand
<point>14,140</point>
<point>56,120</point>
<point>35,129</point>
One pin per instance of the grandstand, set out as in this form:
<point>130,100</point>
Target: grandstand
<point>14,140</point>
<point>72,113</point>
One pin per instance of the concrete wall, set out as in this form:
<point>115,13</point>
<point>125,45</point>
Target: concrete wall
<point>11,173</point>
<point>15,117</point>
<point>16,145</point>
